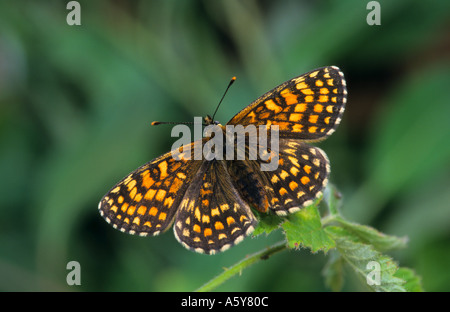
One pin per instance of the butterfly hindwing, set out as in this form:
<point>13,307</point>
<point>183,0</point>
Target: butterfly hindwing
<point>213,216</point>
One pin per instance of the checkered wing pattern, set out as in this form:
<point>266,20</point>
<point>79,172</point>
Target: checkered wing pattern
<point>213,216</point>
<point>308,107</point>
<point>146,201</point>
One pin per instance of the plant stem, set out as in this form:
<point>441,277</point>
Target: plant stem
<point>238,267</point>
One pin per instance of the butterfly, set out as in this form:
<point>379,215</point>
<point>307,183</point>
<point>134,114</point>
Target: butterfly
<point>210,202</point>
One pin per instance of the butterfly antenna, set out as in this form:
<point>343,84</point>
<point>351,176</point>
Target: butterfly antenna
<point>226,90</point>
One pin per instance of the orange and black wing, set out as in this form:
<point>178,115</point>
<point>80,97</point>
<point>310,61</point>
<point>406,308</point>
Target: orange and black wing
<point>308,107</point>
<point>213,216</point>
<point>145,202</point>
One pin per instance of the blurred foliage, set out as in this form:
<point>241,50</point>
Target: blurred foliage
<point>76,104</point>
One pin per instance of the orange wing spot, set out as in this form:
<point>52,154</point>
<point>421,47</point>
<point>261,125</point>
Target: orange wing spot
<point>119,217</point>
<point>252,115</point>
<point>264,115</point>
<point>137,221</point>
<point>327,120</point>
<point>230,220</point>
<point>318,108</point>
<point>120,199</point>
<point>188,220</point>
<point>294,171</point>
<point>293,161</point>
<point>197,214</point>
<point>283,174</point>
<point>324,91</point>
<point>312,129</point>
<point>186,232</point>
<point>126,220</point>
<point>316,162</point>
<point>131,184</point>
<point>124,207</point>
<point>293,185</point>
<point>259,109</point>
<point>282,191</point>
<point>160,195</point>
<point>207,232</point>
<point>168,202</point>
<point>204,192</point>
<point>334,99</point>
<point>330,82</point>
<point>175,166</point>
<point>116,189</point>
<point>280,162</point>
<point>300,108</point>
<point>297,128</point>
<point>162,216</point>
<point>313,118</point>
<point>291,99</point>
<point>131,210</point>
<point>330,109</point>
<point>150,194</point>
<point>197,228</point>
<point>274,179</point>
<point>205,202</point>
<point>218,225</point>
<point>142,210</point>
<point>176,185</point>
<point>309,98</point>
<point>316,176</point>
<point>323,98</point>
<point>307,169</point>
<point>162,170</point>
<point>111,201</point>
<point>147,181</point>
<point>138,197</point>
<point>270,104</point>
<point>153,211</point>
<point>133,192</point>
<point>313,74</point>
<point>282,125</point>
<point>215,212</point>
<point>181,175</point>
<point>335,91</point>
<point>222,236</point>
<point>205,219</point>
<point>305,180</point>
<point>224,207</point>
<point>308,92</point>
<point>327,75</point>
<point>281,116</point>
<point>295,117</point>
<point>319,83</point>
<point>242,218</point>
<point>301,85</point>
<point>148,224</point>
<point>274,200</point>
<point>114,208</point>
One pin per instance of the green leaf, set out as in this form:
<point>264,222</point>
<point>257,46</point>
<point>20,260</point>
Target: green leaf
<point>267,223</point>
<point>333,271</point>
<point>367,262</point>
<point>413,281</point>
<point>332,198</point>
<point>371,236</point>
<point>304,228</point>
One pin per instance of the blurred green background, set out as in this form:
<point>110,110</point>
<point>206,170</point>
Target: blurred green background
<point>76,104</point>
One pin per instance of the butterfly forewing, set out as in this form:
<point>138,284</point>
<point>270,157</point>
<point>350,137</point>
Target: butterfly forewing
<point>145,202</point>
<point>308,107</point>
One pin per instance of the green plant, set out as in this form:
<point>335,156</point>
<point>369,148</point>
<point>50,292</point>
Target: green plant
<point>359,247</point>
